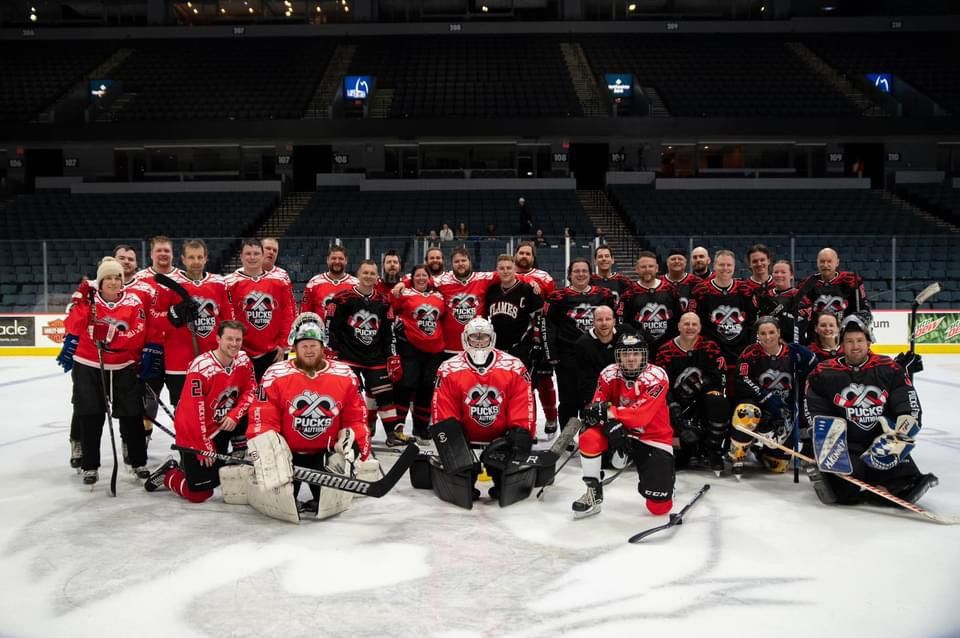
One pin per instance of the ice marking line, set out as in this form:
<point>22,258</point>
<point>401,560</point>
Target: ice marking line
<point>949,384</point>
<point>28,438</point>
<point>29,379</point>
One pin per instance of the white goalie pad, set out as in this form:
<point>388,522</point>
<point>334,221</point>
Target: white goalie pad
<point>272,460</point>
<point>277,503</point>
<point>234,482</point>
<point>331,501</point>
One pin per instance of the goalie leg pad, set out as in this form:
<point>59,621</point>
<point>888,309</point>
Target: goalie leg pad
<point>277,503</point>
<point>272,459</point>
<point>747,416</point>
<point>452,488</point>
<point>234,481</point>
<point>420,473</point>
<point>515,486</point>
<point>452,446</point>
<point>830,445</point>
<point>331,502</point>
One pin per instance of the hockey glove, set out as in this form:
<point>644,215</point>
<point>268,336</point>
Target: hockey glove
<point>151,361</point>
<point>394,369</point>
<point>773,403</point>
<point>910,361</point>
<point>184,312</point>
<point>102,333</point>
<point>595,413</point>
<point>617,435</point>
<point>65,358</point>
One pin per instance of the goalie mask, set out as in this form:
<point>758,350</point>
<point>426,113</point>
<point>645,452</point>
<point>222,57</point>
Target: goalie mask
<point>630,353</point>
<point>307,325</point>
<point>478,340</point>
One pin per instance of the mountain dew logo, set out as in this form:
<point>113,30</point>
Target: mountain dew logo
<point>927,327</point>
<point>953,330</point>
<point>938,328</point>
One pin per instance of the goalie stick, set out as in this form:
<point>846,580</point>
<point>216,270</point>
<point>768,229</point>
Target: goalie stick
<point>173,285</point>
<point>925,295</point>
<point>675,519</point>
<point>321,478</point>
<point>106,396</point>
<point>916,509</point>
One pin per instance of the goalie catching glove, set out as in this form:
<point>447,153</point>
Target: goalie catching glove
<point>894,445</point>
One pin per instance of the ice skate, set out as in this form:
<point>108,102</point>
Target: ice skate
<point>76,454</point>
<point>154,481</point>
<point>589,503</point>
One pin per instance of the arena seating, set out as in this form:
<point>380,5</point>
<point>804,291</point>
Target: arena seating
<point>205,79</point>
<point>470,76</point>
<point>719,76</point>
<point>80,229</point>
<point>35,74</point>
<point>936,197</point>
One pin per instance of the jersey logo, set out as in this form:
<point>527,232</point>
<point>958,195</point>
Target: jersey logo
<point>728,321</point>
<point>206,317</point>
<point>504,308</point>
<point>327,300</point>
<point>484,402</point>
<point>863,404</point>
<point>654,318</point>
<point>365,326</point>
<point>689,382</point>
<point>830,303</point>
<point>464,307</point>
<point>225,402</point>
<point>312,413</point>
<point>426,316</point>
<point>776,380</point>
<point>258,307</point>
<point>582,315</point>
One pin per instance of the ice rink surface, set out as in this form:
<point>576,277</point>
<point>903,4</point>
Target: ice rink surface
<point>761,556</point>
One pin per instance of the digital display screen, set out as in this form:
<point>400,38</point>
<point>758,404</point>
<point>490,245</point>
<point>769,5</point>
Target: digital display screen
<point>883,81</point>
<point>98,88</point>
<point>357,87</point>
<point>619,84</point>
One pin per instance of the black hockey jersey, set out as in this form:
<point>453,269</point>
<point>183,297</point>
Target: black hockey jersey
<point>653,312</point>
<point>568,315</point>
<point>759,373</point>
<point>360,328</point>
<point>726,314</point>
<point>692,372</point>
<point>514,314</point>
<point>843,295</point>
<point>684,289</point>
<point>617,283</point>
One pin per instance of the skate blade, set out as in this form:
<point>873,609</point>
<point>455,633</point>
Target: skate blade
<point>579,515</point>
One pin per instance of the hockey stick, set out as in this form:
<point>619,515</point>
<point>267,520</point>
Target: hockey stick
<point>923,297</point>
<point>321,478</point>
<point>165,280</point>
<point>106,397</point>
<point>172,434</point>
<point>916,509</point>
<point>160,402</point>
<point>675,519</point>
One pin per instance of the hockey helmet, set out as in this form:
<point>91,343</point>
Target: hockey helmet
<point>631,354</point>
<point>856,323</point>
<point>478,339</point>
<point>307,325</point>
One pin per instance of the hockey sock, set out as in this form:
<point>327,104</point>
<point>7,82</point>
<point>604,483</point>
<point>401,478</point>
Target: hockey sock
<point>659,508</point>
<point>176,481</point>
<point>548,397</point>
<point>421,419</point>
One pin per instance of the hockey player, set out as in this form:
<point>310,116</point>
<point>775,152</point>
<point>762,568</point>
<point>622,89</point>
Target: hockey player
<point>390,271</point>
<point>514,311</point>
<point>677,275</point>
<point>360,329</point>
<point>321,288</point>
<point>221,388</point>
<point>827,342</point>
<point>191,324</point>
<point>605,277</point>
<point>418,314</point>
<point>302,411</point>
<point>770,374</point>
<point>700,263</point>
<point>568,314</point>
<point>594,352</point>
<point>260,302</point>
<point>434,261</point>
<point>873,400</point>
<point>483,395</point>
<point>541,372</point>
<point>699,410</point>
<point>839,292</point>
<point>780,300</point>
<point>464,293</point>
<point>629,413</point>
<point>759,259</point>
<point>271,250</point>
<point>651,306</point>
<point>127,258</point>
<point>106,324</point>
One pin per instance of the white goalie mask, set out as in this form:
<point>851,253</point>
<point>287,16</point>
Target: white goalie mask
<point>478,340</point>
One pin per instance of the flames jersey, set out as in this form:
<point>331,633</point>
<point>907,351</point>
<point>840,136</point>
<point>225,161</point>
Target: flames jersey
<point>485,401</point>
<point>465,299</point>
<point>514,313</point>
<point>653,312</point>
<point>262,305</point>
<point>640,405</point>
<point>568,315</point>
<point>618,284</point>
<point>128,319</point>
<point>309,412</point>
<point>726,314</point>
<point>320,291</point>
<point>684,288</point>
<point>759,373</point>
<point>360,328</point>
<point>418,318</point>
<point>861,395</point>
<point>210,293</point>
<point>843,295</point>
<point>692,372</point>
<point>212,392</point>
<point>542,278</point>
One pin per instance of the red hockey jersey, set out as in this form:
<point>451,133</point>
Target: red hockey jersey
<point>485,402</point>
<point>418,319</point>
<point>309,412</point>
<point>212,392</point>
<point>262,305</point>
<point>128,319</point>
<point>640,405</point>
<point>210,293</point>
<point>464,300</point>
<point>542,279</point>
<point>320,291</point>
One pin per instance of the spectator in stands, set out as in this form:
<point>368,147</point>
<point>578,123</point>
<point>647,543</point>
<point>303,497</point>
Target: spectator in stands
<point>700,262</point>
<point>526,221</point>
<point>491,231</point>
<point>601,237</point>
<point>446,233</point>
<point>462,232</point>
<point>434,239</point>
<point>568,233</point>
<point>540,240</point>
